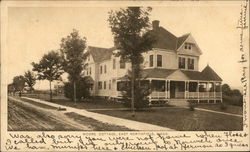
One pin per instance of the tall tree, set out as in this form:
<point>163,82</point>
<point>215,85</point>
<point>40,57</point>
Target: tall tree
<point>19,83</point>
<point>72,49</point>
<point>30,79</point>
<point>129,27</point>
<point>49,68</point>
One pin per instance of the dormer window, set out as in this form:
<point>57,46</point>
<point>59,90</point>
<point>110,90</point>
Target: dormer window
<point>188,46</point>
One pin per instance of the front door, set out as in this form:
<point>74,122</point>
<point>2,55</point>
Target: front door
<point>172,89</point>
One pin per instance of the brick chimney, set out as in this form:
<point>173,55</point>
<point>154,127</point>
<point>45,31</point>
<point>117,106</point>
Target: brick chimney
<point>155,24</point>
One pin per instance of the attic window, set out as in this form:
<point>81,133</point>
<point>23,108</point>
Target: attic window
<point>188,46</point>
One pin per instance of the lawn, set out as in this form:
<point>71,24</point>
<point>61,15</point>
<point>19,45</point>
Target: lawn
<point>24,116</point>
<point>88,104</point>
<point>216,107</point>
<point>182,119</point>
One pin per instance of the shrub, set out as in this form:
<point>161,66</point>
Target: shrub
<point>82,89</point>
<point>191,106</point>
<point>223,106</point>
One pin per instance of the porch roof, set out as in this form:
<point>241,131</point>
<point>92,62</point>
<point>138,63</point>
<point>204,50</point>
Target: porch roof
<point>207,74</point>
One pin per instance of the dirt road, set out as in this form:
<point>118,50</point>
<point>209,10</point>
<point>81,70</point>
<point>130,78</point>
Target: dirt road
<point>24,116</point>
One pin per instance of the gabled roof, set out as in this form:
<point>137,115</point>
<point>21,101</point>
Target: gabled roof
<point>163,39</point>
<point>209,74</point>
<point>181,40</point>
<point>157,73</point>
<point>100,54</point>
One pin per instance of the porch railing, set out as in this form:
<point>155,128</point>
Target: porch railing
<point>189,95</point>
<point>158,94</point>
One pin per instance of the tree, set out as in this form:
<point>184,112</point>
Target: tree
<point>72,49</point>
<point>49,68</point>
<point>226,89</point>
<point>30,79</point>
<point>82,89</point>
<point>19,84</point>
<point>129,27</point>
<point>11,88</point>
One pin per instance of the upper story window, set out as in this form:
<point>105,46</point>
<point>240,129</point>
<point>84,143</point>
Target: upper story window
<point>151,60</point>
<point>113,63</point>
<point>105,69</point>
<point>182,63</point>
<point>122,64</point>
<point>101,69</point>
<point>188,46</point>
<point>190,63</point>
<point>89,70</point>
<point>109,84</point>
<point>159,60</point>
<point>88,58</point>
<point>100,85</point>
<point>104,84</point>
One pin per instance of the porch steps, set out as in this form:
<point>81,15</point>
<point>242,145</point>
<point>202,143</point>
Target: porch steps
<point>178,102</point>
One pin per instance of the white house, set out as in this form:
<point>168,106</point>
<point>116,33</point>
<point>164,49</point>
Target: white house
<point>172,68</point>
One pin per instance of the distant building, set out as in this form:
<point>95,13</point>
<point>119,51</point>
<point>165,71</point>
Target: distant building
<point>171,67</point>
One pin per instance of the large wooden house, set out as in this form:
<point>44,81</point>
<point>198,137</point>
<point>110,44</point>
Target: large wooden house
<point>171,67</point>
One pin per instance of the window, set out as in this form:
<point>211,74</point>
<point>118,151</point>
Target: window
<point>113,63</point>
<point>100,85</point>
<point>101,69</point>
<point>122,64</point>
<point>151,60</point>
<point>87,71</point>
<point>105,69</point>
<point>121,85</point>
<point>104,84</point>
<point>181,63</point>
<point>187,46</point>
<point>109,84</point>
<point>159,60</point>
<point>190,63</point>
<point>90,71</point>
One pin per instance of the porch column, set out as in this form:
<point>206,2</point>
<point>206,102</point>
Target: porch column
<point>198,83</point>
<point>185,86</point>
<point>150,85</point>
<point>169,81</point>
<point>166,88</point>
<point>188,89</point>
<point>220,92</point>
<point>214,92</point>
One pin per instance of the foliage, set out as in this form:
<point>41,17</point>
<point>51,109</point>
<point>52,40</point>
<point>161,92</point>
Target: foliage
<point>49,68</point>
<point>30,79</point>
<point>11,88</point>
<point>82,89</point>
<point>223,106</point>
<point>130,27</point>
<point>141,92</point>
<point>19,83</point>
<point>232,97</point>
<point>192,106</point>
<point>72,50</point>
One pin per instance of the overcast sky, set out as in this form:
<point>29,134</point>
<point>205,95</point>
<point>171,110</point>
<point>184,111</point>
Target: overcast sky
<point>33,31</point>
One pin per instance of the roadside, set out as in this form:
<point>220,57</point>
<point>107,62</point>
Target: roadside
<point>132,125</point>
<point>24,116</point>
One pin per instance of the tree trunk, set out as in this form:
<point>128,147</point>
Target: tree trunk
<point>75,92</point>
<point>133,90</point>
<point>50,91</point>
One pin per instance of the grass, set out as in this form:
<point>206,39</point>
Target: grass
<point>97,126</point>
<point>182,119</point>
<point>23,116</point>
<point>217,107</point>
<point>89,104</point>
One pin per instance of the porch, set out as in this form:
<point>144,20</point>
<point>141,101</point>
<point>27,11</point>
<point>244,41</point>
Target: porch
<point>189,90</point>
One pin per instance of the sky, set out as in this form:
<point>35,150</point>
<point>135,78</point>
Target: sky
<point>33,31</point>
